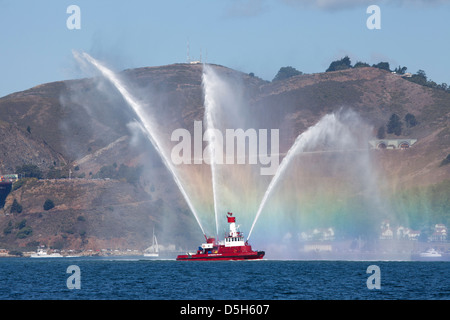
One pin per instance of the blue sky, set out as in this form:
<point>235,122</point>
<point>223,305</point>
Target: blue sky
<point>258,36</point>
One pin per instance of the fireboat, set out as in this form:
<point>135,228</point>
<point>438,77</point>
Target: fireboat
<point>233,247</point>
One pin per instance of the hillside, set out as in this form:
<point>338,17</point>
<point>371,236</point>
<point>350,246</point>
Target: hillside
<point>375,95</point>
<point>89,214</point>
<point>84,125</point>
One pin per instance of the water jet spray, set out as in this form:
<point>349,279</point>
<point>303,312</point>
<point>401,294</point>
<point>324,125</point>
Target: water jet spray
<point>328,128</point>
<point>145,123</point>
<point>210,108</point>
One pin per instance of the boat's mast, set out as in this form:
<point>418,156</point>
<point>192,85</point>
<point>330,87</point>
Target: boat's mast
<point>232,222</point>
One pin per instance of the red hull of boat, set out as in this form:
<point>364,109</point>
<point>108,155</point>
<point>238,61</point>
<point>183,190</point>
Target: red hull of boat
<point>255,255</point>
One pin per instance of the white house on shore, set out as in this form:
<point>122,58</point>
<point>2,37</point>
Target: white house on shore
<point>386,231</point>
<point>440,233</point>
<point>401,233</point>
<point>318,234</point>
<point>392,143</point>
<point>407,233</point>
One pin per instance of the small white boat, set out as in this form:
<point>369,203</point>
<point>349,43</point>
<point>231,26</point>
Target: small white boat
<point>41,253</point>
<point>431,253</point>
<point>153,250</point>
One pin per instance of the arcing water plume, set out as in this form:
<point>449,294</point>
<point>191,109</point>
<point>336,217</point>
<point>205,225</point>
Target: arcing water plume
<point>223,111</point>
<point>146,123</point>
<point>332,131</point>
<point>209,88</point>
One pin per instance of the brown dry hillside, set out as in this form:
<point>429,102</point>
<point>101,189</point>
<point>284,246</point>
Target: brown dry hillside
<point>375,95</point>
<point>90,214</point>
<point>86,127</point>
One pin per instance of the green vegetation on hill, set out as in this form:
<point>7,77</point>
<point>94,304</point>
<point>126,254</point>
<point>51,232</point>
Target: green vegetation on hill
<point>15,207</point>
<point>420,77</point>
<point>341,64</point>
<point>23,231</point>
<point>344,63</point>
<point>48,204</point>
<point>394,125</point>
<point>29,171</point>
<point>123,172</point>
<point>286,72</point>
<point>446,160</point>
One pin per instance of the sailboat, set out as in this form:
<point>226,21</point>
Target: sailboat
<point>153,250</point>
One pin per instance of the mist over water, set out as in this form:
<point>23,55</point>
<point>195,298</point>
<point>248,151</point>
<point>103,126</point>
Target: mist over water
<point>326,179</point>
<point>331,134</point>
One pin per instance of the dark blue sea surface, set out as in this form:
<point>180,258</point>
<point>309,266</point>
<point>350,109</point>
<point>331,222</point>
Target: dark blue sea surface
<point>139,279</point>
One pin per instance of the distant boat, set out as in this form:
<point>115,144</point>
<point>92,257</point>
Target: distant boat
<point>41,253</point>
<point>153,250</point>
<point>430,253</point>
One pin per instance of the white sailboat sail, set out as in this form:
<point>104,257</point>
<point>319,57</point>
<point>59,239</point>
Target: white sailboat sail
<point>153,250</point>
